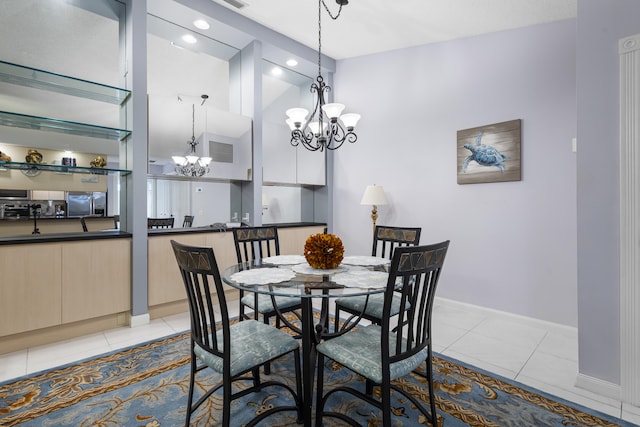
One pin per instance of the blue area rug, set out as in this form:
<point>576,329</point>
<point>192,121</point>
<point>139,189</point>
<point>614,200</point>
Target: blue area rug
<point>146,385</point>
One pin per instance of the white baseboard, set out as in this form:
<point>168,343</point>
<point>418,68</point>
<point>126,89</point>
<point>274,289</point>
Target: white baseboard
<point>598,386</point>
<point>141,319</point>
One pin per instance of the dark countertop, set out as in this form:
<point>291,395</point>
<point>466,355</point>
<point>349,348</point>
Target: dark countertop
<point>48,218</point>
<point>63,237</point>
<point>208,229</point>
<point>117,234</point>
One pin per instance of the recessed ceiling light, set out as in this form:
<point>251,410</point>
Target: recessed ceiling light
<point>189,38</point>
<point>201,24</point>
<point>292,62</point>
<point>276,71</point>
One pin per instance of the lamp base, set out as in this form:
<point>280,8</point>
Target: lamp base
<point>374,216</point>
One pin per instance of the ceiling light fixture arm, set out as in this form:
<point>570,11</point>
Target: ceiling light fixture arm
<point>320,134</point>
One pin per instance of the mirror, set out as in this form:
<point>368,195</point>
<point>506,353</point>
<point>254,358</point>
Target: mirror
<point>189,94</point>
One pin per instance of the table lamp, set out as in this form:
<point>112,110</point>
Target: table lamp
<point>374,195</point>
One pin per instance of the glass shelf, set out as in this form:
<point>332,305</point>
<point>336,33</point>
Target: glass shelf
<point>36,167</point>
<point>55,125</point>
<point>39,79</point>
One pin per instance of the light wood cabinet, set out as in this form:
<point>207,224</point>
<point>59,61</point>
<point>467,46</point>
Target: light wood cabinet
<point>96,278</point>
<point>47,195</point>
<point>30,294</point>
<point>52,284</point>
<point>292,239</point>
<point>165,282</point>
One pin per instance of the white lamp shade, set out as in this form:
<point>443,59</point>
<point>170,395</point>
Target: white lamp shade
<point>204,161</point>
<point>179,160</point>
<point>315,127</point>
<point>374,195</point>
<point>350,120</point>
<point>298,115</point>
<point>292,124</point>
<point>333,110</point>
<point>192,159</point>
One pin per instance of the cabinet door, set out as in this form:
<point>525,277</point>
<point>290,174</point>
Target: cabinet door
<point>165,282</point>
<point>310,166</point>
<point>278,156</point>
<point>31,287</point>
<point>96,278</point>
<point>292,239</point>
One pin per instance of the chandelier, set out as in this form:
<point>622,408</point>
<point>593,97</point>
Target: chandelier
<point>330,129</point>
<point>191,164</point>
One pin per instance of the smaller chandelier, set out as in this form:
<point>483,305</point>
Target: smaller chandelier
<point>317,133</point>
<point>191,164</point>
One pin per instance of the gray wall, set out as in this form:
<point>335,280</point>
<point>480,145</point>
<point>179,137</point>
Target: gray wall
<point>513,244</point>
<point>600,25</point>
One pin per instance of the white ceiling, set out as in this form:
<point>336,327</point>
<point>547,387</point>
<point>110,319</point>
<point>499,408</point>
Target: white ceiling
<point>55,36</point>
<point>371,26</point>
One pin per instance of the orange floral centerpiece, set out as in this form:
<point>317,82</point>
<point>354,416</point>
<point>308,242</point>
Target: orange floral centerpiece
<point>324,251</point>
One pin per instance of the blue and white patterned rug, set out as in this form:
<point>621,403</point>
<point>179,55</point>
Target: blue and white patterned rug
<point>146,385</point>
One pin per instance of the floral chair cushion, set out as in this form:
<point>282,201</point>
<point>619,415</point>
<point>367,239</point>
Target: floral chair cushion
<point>252,344</point>
<point>360,351</point>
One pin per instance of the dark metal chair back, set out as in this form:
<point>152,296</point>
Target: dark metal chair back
<point>386,239</point>
<point>160,222</point>
<point>203,284</point>
<point>188,221</point>
<point>255,242</point>
<point>413,276</point>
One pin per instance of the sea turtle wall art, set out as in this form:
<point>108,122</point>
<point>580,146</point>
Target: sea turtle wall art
<point>490,153</point>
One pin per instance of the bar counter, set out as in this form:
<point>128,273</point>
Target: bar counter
<point>58,286</point>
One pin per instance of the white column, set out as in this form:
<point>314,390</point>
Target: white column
<point>629,50</point>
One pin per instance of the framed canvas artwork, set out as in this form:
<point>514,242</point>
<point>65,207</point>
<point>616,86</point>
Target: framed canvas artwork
<point>490,153</point>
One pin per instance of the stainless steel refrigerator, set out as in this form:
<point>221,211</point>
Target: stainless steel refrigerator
<point>81,204</point>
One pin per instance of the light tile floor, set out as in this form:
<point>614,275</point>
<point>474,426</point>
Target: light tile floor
<point>535,353</point>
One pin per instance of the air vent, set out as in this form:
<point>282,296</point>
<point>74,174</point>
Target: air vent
<point>220,152</point>
<point>238,4</point>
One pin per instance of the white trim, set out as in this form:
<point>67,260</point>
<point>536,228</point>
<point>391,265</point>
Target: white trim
<point>598,386</point>
<point>629,51</point>
<point>139,320</point>
<point>544,323</point>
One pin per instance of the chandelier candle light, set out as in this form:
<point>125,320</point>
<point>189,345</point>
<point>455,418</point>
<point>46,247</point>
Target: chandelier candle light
<point>316,133</point>
<point>191,164</point>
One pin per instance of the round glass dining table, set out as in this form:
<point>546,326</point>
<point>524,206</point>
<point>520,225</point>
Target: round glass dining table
<point>291,276</point>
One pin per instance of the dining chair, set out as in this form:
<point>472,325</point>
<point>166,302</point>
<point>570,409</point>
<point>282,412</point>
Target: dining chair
<point>188,221</point>
<point>385,352</point>
<point>160,222</point>
<point>260,242</point>
<point>234,349</point>
<point>385,240</point>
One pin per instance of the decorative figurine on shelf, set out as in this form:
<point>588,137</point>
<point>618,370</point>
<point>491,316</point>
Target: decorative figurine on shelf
<point>33,156</point>
<point>4,157</point>
<point>98,162</point>
<point>324,251</point>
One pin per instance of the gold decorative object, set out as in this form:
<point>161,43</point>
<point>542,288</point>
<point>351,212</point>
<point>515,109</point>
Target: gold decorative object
<point>33,156</point>
<point>4,157</point>
<point>324,251</point>
<point>98,162</point>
